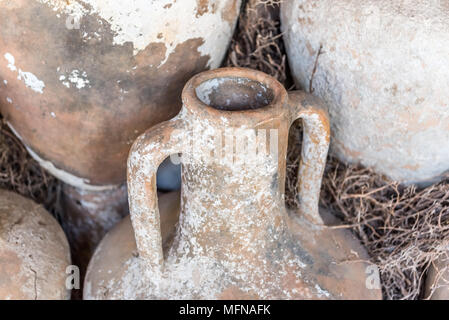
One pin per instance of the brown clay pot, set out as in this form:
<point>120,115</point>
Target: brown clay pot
<point>234,239</point>
<point>81,79</point>
<point>80,96</point>
<point>34,252</point>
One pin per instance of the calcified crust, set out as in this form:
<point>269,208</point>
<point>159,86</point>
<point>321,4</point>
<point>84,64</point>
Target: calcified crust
<point>234,238</point>
<point>81,79</point>
<point>382,69</point>
<point>34,252</point>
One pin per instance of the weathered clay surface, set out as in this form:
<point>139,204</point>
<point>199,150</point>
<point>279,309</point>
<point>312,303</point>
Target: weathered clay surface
<point>78,94</point>
<point>34,252</point>
<point>234,238</point>
<point>119,246</point>
<point>382,69</point>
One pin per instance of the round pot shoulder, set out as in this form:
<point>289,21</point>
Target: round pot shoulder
<point>34,252</point>
<point>382,69</point>
<point>117,251</point>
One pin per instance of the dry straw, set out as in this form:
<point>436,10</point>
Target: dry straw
<point>403,228</point>
<point>20,173</point>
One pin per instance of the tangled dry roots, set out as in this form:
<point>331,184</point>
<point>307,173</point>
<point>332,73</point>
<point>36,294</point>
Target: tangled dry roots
<point>22,174</point>
<point>404,229</point>
<point>257,42</point>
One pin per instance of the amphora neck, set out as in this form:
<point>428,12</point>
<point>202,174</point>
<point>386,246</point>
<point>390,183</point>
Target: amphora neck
<point>234,162</point>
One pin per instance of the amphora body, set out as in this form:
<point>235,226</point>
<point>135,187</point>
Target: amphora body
<point>234,239</point>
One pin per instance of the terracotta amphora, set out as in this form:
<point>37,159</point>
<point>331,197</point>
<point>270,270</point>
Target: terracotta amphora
<point>80,80</point>
<point>34,252</point>
<point>234,239</point>
<point>382,68</point>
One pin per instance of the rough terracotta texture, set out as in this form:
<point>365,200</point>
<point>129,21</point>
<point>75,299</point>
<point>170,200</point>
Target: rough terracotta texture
<point>34,252</point>
<point>382,69</point>
<point>234,238</point>
<point>119,245</point>
<point>80,80</point>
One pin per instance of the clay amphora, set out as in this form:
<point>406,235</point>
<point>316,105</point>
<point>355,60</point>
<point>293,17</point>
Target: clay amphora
<point>81,79</point>
<point>382,68</point>
<point>234,239</point>
<point>34,252</point>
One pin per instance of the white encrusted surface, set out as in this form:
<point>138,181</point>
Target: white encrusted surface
<point>142,22</point>
<point>383,69</point>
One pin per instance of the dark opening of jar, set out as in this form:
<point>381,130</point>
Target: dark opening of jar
<point>234,94</point>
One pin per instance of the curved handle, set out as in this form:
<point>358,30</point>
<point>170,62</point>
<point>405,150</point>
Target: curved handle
<point>315,146</point>
<point>147,153</point>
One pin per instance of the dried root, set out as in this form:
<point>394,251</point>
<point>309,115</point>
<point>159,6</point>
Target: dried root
<point>22,174</point>
<point>257,42</point>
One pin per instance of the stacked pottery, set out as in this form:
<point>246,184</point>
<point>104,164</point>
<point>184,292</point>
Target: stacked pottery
<point>81,79</point>
<point>386,91</point>
<point>34,252</point>
<point>235,239</point>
